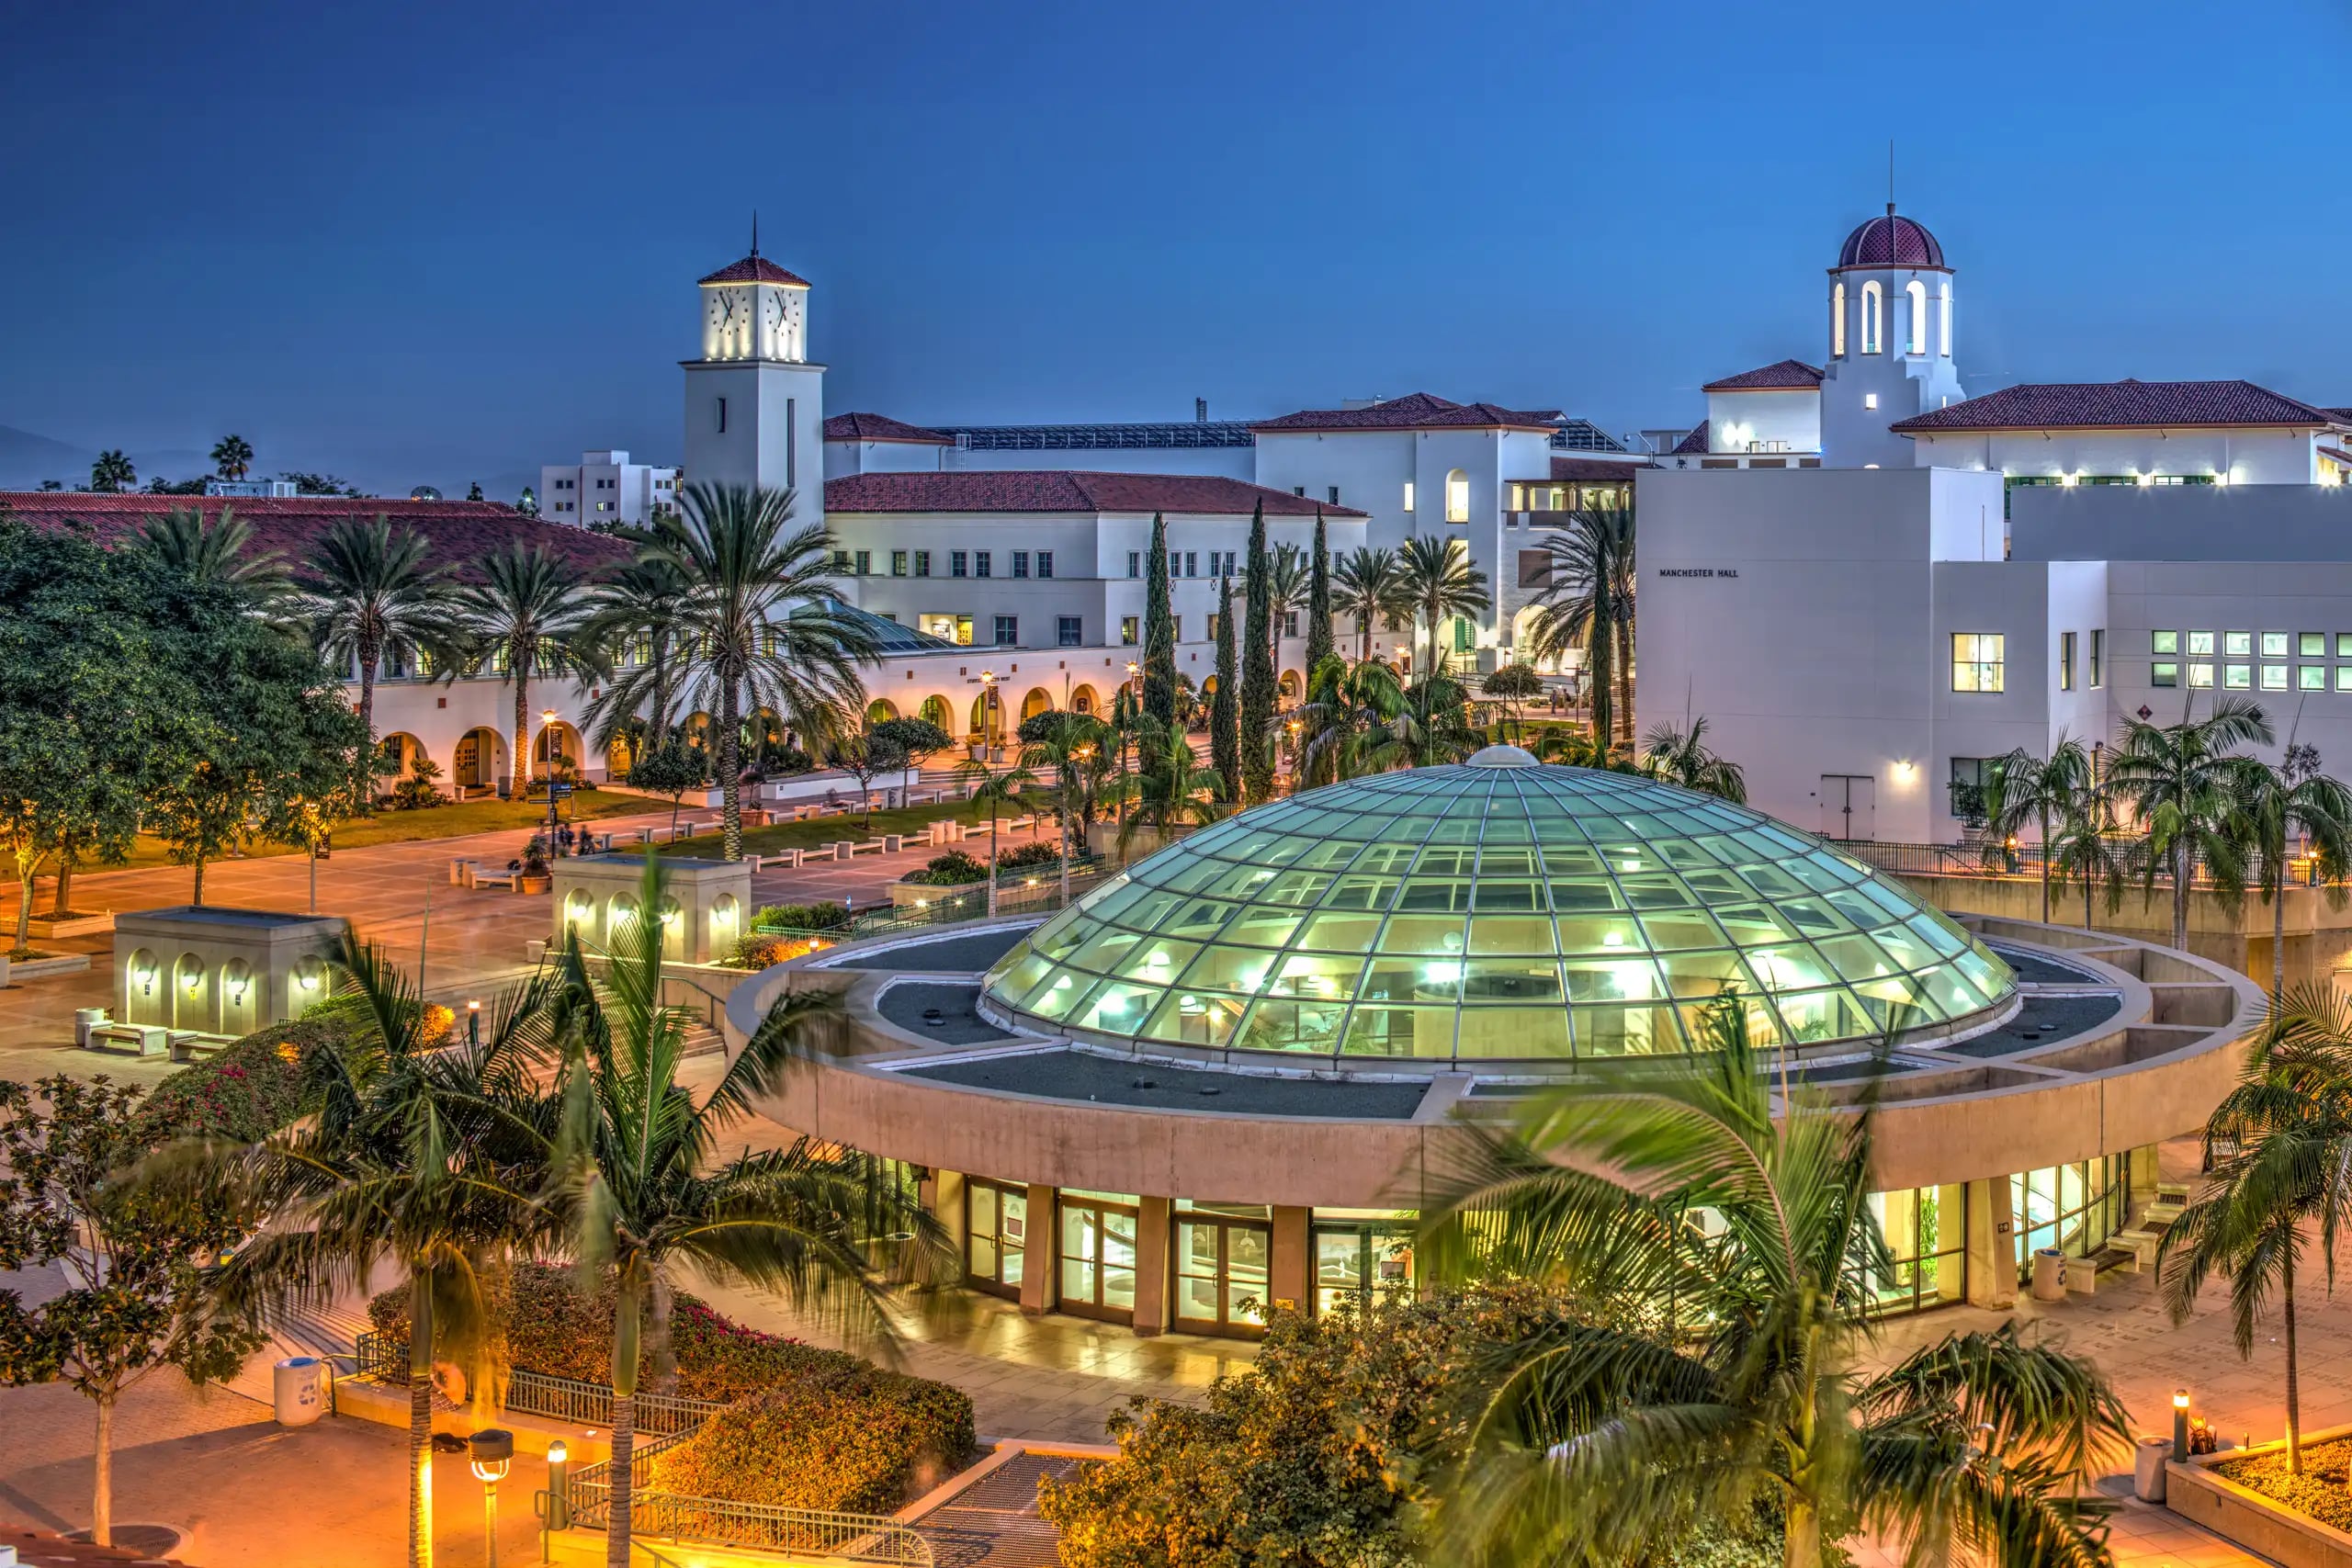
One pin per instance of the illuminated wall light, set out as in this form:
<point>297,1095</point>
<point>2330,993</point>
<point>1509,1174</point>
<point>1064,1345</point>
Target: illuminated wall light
<point>2068,481</point>
<point>2144,480</point>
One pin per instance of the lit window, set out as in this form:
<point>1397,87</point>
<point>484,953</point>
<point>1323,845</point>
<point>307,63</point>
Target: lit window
<point>1519,498</point>
<point>2237,645</point>
<point>2202,642</point>
<point>1976,661</point>
<point>2166,673</point>
<point>2343,645</point>
<point>2237,677</point>
<point>1409,495</point>
<point>2274,677</point>
<point>1944,308</point>
<point>2344,677</point>
<point>964,631</point>
<point>1457,497</point>
<point>1838,322</point>
<point>2310,677</point>
<point>2168,642</point>
<point>1127,631</point>
<point>2066,661</point>
<point>898,563</point>
<point>2274,644</point>
<point>1869,400</point>
<point>1874,318</point>
<point>2311,644</point>
<point>1916,295</point>
<point>2201,676</point>
<point>2098,659</point>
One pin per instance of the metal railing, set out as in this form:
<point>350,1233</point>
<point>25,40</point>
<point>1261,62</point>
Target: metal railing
<point>2023,861</point>
<point>559,1399</point>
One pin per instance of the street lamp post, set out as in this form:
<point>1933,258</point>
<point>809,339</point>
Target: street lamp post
<point>491,1451</point>
<point>1085,755</point>
<point>546,731</point>
<point>988,706</point>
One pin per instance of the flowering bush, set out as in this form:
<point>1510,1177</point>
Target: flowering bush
<point>248,1092</point>
<point>865,1442</point>
<point>758,952</point>
<point>1044,851</point>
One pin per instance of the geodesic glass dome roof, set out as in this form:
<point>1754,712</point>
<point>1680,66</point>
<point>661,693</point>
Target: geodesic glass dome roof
<point>1494,910</point>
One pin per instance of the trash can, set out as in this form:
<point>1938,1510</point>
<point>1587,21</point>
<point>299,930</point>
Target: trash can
<point>297,1389</point>
<point>84,1021</point>
<point>461,872</point>
<point>2049,1274</point>
<point>2148,1469</point>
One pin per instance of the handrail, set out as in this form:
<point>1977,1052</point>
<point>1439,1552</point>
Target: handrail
<point>539,1393</point>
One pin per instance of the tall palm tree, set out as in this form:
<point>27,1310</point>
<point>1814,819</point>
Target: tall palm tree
<point>1366,585</point>
<point>1682,757</point>
<point>1288,577</point>
<point>232,456</point>
<point>2188,788</point>
<point>1348,721</point>
<point>1726,1371</point>
<point>1587,602</point>
<point>634,615</point>
<point>1171,788</point>
<point>2023,790</point>
<point>220,551</point>
<point>370,596</point>
<point>645,1194</point>
<point>112,473</point>
<point>1000,789</point>
<point>2281,1149</point>
<point>2089,850</point>
<point>2295,800</point>
<point>1080,758</point>
<point>759,624</point>
<point>1440,582</point>
<point>530,615</point>
<point>1433,723</point>
<point>429,1159</point>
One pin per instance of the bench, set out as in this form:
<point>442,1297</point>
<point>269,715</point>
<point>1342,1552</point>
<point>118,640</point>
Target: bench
<point>143,1039</point>
<point>195,1046</point>
<point>495,879</point>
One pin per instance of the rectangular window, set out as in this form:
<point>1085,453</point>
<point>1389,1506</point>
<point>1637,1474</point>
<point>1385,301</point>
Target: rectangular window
<point>1176,628</point>
<point>1211,634</point>
<point>840,560</point>
<point>2237,645</point>
<point>1008,630</point>
<point>2098,659</point>
<point>1044,563</point>
<point>2343,645</point>
<point>1069,631</point>
<point>2274,677</point>
<point>922,563</point>
<point>1175,561</point>
<point>2066,661</point>
<point>865,562</point>
<point>2163,673</point>
<point>722,417</point>
<point>1333,492</point>
<point>980,563</point>
<point>1021,563</point>
<point>2274,644</point>
<point>956,563</point>
<point>2200,675</point>
<point>2200,643</point>
<point>1465,635</point>
<point>2310,677</point>
<point>1409,495</point>
<point>898,563</point>
<point>1135,563</point>
<point>2344,677</point>
<point>2237,677</point>
<point>1518,498</point>
<point>1977,660</point>
<point>2164,642</point>
<point>1127,631</point>
<point>2311,644</point>
<point>964,631</point>
<point>1457,497</point>
<point>1192,564</point>
<point>1290,623</point>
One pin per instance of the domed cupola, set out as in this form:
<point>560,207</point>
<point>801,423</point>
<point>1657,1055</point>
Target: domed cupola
<point>1891,241</point>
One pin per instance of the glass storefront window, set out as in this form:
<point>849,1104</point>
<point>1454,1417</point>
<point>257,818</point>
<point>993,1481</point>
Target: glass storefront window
<point>1098,1257</point>
<point>1361,1259</point>
<point>996,1228</point>
<point>1221,1271</point>
<point>2074,1208</point>
<point>1926,1239</point>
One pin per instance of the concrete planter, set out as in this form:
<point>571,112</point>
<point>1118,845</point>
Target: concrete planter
<point>81,925</point>
<point>526,883</point>
<point>2197,1492</point>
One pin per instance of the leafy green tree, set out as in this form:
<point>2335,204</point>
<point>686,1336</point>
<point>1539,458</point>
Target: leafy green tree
<point>866,756</point>
<point>2024,790</point>
<point>2187,786</point>
<point>1318,598</point>
<point>644,1193</point>
<point>1746,1396</point>
<point>1682,757</point>
<point>112,473</point>
<point>1159,629</point>
<point>760,622</point>
<point>918,737</point>
<point>999,789</point>
<point>2295,800</point>
<point>1350,721</point>
<point>1224,741</point>
<point>669,767</point>
<point>1513,684</point>
<point>139,1282</point>
<point>1440,582</point>
<point>529,613</point>
<point>371,596</point>
<point>1256,714</point>
<point>182,544</point>
<point>232,456</point>
<point>318,484</point>
<point>1369,586</point>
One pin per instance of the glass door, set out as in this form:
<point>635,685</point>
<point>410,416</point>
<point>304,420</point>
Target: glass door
<point>995,1229</point>
<point>1361,1261</point>
<point>1098,1258</point>
<point>1221,1273</point>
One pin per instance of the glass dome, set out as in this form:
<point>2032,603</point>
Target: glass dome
<point>1493,909</point>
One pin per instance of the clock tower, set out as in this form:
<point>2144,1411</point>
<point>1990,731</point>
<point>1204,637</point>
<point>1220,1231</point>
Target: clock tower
<point>755,405</point>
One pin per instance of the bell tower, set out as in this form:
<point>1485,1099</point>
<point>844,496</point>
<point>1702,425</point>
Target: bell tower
<point>755,403</point>
<point>1890,342</point>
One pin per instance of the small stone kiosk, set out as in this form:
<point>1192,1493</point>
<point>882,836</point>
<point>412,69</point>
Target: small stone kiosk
<point>706,904</point>
<point>201,970</point>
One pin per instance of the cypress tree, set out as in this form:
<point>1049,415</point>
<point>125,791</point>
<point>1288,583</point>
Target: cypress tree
<point>1159,631</point>
<point>1225,747</point>
<point>1318,603</point>
<point>1257,664</point>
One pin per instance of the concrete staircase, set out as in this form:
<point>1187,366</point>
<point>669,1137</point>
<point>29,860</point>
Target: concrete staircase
<point>2141,1240</point>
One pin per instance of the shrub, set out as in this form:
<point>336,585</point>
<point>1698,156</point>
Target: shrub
<point>347,1011</point>
<point>2316,1494</point>
<point>757,950</point>
<point>866,1442</point>
<point>1044,851</point>
<point>950,869</point>
<point>248,1092</point>
<point>416,795</point>
<point>802,917</point>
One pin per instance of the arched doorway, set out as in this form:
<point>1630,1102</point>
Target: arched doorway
<point>1288,687</point>
<point>1083,700</point>
<point>1038,701</point>
<point>988,715</point>
<point>401,751</point>
<point>936,711</point>
<point>479,760</point>
<point>620,756</point>
<point>881,710</point>
<point>557,742</point>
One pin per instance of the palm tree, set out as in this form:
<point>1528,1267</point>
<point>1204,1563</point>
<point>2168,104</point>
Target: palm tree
<point>1682,757</point>
<point>634,616</point>
<point>529,614</point>
<point>2279,1148</point>
<point>2089,850</point>
<point>1366,585</point>
<point>1171,790</point>
<point>371,597</point>
<point>232,456</point>
<point>1288,577</point>
<point>1350,717</point>
<point>429,1159</point>
<point>2295,799</point>
<point>760,622</point>
<point>186,546</point>
<point>644,1194</point>
<point>1001,789</point>
<point>112,473</point>
<point>2024,790</point>
<point>2188,791</point>
<point>1724,1377</point>
<point>1587,602</point>
<point>1440,582</point>
<point>1078,755</point>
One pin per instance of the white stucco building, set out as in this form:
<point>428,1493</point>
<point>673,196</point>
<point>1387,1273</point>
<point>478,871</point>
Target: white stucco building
<point>606,487</point>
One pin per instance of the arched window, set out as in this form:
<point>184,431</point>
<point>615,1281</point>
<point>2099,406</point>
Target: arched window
<point>1944,335</point>
<point>1917,292</point>
<point>1874,318</point>
<point>1457,496</point>
<point>1838,322</point>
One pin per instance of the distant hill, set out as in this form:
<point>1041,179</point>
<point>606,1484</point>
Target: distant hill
<point>25,459</point>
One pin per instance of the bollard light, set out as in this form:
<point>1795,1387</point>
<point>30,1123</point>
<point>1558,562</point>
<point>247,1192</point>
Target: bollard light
<point>473,1023</point>
<point>2180,1425</point>
<point>492,1452</point>
<point>559,1477</point>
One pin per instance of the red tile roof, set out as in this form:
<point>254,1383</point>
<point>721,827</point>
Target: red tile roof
<point>881,427</point>
<point>1416,411</point>
<point>2118,405</point>
<point>1696,441</point>
<point>1780,376</point>
<point>1891,241</point>
<point>459,532</point>
<point>1059,490</point>
<point>756,269</point>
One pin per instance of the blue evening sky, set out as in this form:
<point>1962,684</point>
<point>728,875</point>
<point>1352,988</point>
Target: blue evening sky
<point>430,243</point>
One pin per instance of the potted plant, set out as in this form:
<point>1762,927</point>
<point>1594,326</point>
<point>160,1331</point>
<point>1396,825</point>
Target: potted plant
<point>535,877</point>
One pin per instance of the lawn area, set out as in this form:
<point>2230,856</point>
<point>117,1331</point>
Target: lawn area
<point>908,820</point>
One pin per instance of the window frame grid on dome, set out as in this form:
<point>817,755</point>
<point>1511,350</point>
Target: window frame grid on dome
<point>1252,870</point>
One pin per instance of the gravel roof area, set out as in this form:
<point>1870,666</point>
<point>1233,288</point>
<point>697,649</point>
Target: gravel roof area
<point>2040,1022</point>
<point>2035,970</point>
<point>1083,1076</point>
<point>958,1024</point>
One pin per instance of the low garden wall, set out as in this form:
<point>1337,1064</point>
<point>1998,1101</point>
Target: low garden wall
<point>2203,1492</point>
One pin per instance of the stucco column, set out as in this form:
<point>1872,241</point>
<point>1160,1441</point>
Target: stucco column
<point>1286,1267</point>
<point>1041,1272</point>
<point>943,1198</point>
<point>1151,1264</point>
<point>1992,1244</point>
<point>2146,1172</point>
